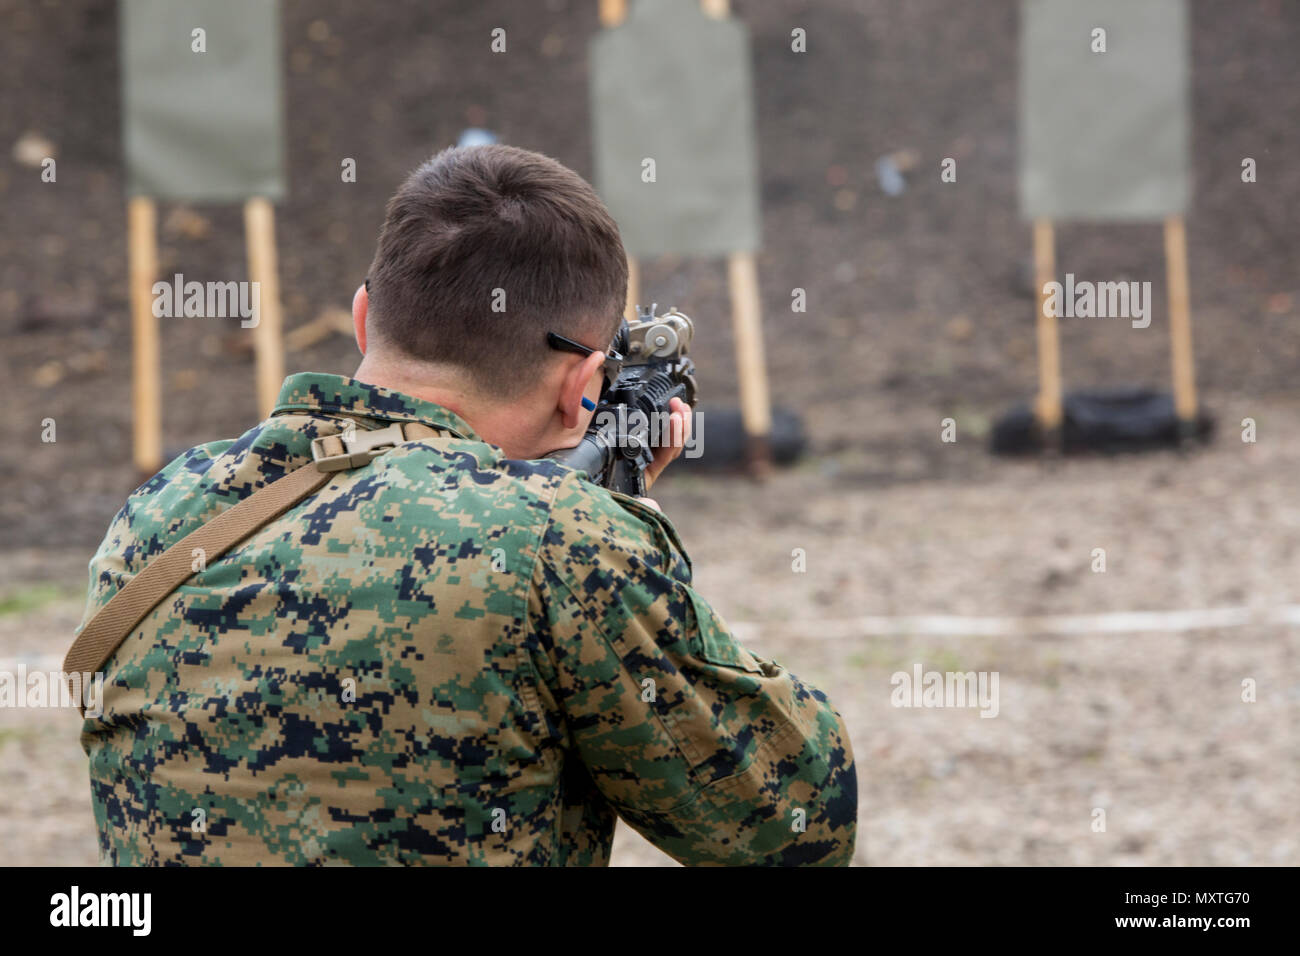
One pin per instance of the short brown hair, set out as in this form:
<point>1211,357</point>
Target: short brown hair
<point>485,249</point>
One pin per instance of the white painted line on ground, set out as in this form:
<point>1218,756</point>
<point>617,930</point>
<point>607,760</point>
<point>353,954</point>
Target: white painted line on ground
<point>944,625</point>
<point>32,663</point>
<point>953,625</point>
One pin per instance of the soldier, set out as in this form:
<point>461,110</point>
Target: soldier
<point>457,652</point>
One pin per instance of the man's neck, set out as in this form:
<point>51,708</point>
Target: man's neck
<point>506,425</point>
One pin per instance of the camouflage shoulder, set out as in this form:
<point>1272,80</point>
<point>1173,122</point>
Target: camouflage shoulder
<point>147,508</point>
<point>587,519</point>
<point>142,527</point>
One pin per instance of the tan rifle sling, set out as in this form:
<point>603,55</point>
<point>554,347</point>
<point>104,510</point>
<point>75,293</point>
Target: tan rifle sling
<point>118,618</point>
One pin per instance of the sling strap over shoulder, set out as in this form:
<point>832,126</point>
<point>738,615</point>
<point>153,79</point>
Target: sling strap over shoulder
<point>164,574</point>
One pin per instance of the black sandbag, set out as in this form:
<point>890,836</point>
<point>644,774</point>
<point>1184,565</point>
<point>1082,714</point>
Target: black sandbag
<point>724,445</point>
<point>1130,418</point>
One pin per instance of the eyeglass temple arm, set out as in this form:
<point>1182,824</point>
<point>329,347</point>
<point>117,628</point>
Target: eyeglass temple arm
<point>557,341</point>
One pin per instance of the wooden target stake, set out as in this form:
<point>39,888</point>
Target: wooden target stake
<point>268,341</point>
<point>751,364</point>
<point>612,12</point>
<point>1048,407</point>
<point>633,288</point>
<point>146,372</point>
<point>1180,325</point>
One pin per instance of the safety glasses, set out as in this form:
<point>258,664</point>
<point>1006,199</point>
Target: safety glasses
<point>613,359</point>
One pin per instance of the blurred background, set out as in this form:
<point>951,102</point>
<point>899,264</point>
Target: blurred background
<point>920,307</point>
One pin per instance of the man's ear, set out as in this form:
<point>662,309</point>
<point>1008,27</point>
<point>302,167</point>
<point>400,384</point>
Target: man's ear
<point>581,379</point>
<point>360,307</point>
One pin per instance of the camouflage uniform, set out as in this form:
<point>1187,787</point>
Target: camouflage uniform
<point>444,656</point>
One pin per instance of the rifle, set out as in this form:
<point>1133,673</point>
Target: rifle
<point>631,419</point>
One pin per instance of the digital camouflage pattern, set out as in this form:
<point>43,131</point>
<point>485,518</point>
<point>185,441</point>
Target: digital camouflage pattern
<point>444,656</point>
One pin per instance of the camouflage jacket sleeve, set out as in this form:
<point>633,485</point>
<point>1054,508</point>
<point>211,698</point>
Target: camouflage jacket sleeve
<point>712,754</point>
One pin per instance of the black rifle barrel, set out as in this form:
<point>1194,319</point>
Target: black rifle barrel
<point>593,454</point>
